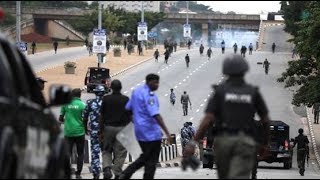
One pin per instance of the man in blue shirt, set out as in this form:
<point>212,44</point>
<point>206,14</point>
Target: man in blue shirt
<point>148,122</point>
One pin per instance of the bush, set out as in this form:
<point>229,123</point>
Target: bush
<point>130,48</point>
<point>117,41</point>
<point>70,64</point>
<point>117,52</point>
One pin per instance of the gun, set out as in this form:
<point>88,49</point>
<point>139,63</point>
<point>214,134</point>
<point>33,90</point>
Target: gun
<point>307,154</point>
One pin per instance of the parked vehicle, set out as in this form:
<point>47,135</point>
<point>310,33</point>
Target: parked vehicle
<point>97,76</point>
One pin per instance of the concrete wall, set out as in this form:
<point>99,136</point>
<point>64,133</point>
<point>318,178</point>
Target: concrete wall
<point>55,30</point>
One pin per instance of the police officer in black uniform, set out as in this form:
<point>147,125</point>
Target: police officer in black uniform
<point>187,59</point>
<point>232,109</point>
<point>302,150</point>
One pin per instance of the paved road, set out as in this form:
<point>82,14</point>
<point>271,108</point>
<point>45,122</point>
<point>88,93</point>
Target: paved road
<point>47,59</point>
<point>196,80</point>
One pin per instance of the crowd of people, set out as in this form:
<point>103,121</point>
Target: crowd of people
<point>103,117</point>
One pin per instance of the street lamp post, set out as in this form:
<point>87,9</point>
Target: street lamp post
<point>142,21</point>
<point>187,12</point>
<point>18,21</point>
<point>187,19</point>
<point>99,27</point>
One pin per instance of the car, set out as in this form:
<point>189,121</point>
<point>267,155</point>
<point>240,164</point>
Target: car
<point>280,149</point>
<point>97,76</point>
<point>32,143</point>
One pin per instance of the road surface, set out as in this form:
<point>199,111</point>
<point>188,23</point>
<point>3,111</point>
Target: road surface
<point>197,81</point>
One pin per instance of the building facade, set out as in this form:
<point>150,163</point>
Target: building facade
<point>134,6</point>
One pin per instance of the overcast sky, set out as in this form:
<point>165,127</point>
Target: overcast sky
<point>244,7</point>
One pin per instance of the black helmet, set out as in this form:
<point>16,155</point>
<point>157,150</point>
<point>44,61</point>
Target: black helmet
<point>235,66</point>
<point>300,131</point>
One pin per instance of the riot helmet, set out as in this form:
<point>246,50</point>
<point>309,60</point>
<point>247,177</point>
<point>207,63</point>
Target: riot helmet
<point>235,65</point>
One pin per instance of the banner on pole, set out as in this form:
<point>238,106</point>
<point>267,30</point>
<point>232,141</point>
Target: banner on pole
<point>142,31</point>
<point>99,41</point>
<point>187,30</point>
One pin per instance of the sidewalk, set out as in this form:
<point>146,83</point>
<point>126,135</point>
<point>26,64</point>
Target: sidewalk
<point>315,135</point>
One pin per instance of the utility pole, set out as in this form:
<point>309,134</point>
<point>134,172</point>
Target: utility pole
<point>99,27</point>
<point>187,12</point>
<point>18,21</point>
<point>142,21</point>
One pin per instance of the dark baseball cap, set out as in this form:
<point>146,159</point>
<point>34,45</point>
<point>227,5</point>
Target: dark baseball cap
<point>39,79</point>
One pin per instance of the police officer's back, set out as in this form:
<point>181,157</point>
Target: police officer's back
<point>302,150</point>
<point>232,110</point>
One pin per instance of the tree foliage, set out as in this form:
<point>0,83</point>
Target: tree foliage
<point>192,7</point>
<point>304,72</point>
<point>116,20</point>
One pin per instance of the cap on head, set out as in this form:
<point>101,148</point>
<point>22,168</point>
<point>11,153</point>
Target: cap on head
<point>39,79</point>
<point>235,65</point>
<point>99,90</point>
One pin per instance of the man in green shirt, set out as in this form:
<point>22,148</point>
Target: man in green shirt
<point>74,128</point>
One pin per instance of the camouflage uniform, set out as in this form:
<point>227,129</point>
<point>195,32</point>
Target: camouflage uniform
<point>93,112</point>
<point>187,133</point>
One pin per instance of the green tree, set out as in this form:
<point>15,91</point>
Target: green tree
<point>112,22</point>
<point>94,5</point>
<point>304,72</point>
<point>292,13</point>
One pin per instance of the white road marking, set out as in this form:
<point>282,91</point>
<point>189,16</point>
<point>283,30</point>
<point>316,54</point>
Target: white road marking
<point>198,110</point>
<point>126,92</point>
<point>187,76</point>
<point>184,80</point>
<point>175,87</point>
<point>191,119</point>
<point>205,100</point>
<point>138,84</point>
<point>201,105</point>
<point>132,88</point>
<point>180,83</point>
<point>166,95</point>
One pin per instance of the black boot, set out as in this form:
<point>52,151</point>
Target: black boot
<point>96,176</point>
<point>107,173</point>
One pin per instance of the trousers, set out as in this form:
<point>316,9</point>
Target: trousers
<point>235,155</point>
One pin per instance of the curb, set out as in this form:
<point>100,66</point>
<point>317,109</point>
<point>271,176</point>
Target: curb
<point>47,68</point>
<point>314,145</point>
<point>166,165</point>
